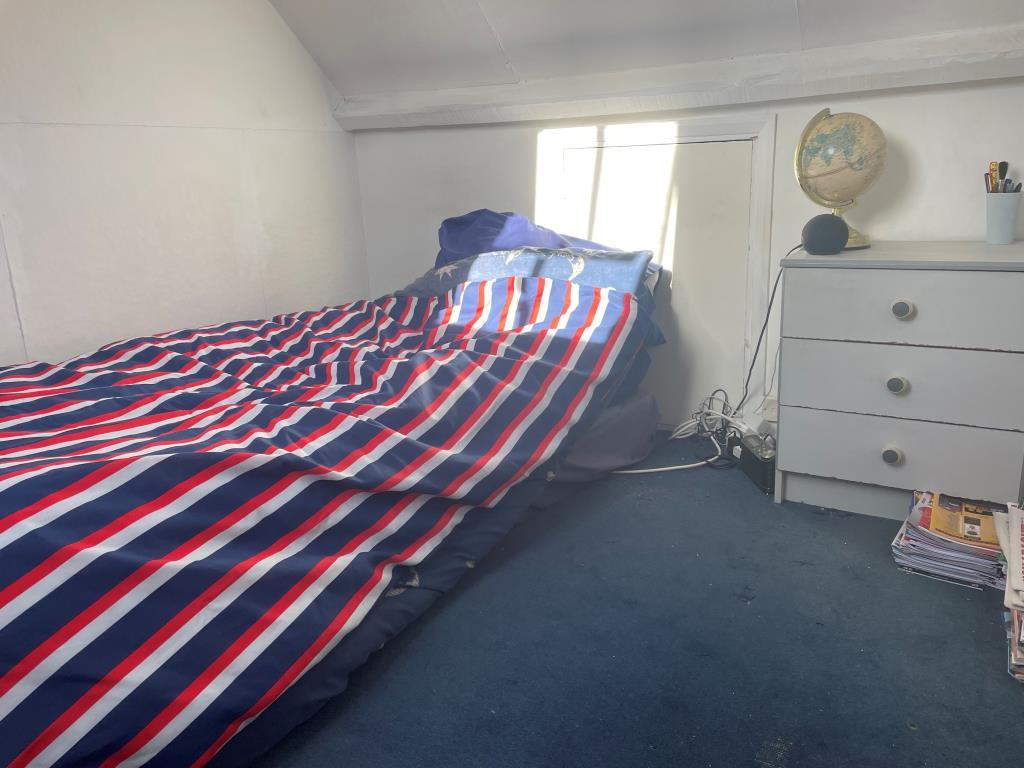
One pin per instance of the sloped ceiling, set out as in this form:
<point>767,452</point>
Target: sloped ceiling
<point>369,47</point>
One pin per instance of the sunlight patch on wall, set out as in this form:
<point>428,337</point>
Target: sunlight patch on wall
<point>554,206</point>
<point>612,184</point>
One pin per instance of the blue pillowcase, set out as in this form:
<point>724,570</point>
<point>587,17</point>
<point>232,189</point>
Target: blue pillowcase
<point>629,271</point>
<point>620,270</point>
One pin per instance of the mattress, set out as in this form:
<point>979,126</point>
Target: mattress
<point>201,528</point>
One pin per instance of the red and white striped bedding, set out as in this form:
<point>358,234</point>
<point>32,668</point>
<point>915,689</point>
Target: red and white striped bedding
<point>189,522</point>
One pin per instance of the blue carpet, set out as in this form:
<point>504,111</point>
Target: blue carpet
<point>683,619</point>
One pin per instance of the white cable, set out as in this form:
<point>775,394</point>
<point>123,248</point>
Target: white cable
<point>703,463</point>
<point>690,428</point>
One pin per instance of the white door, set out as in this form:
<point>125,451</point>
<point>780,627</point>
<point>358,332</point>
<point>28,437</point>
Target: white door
<point>636,187</point>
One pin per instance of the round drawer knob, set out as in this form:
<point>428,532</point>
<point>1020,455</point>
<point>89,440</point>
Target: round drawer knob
<point>903,309</point>
<point>892,456</point>
<point>897,385</point>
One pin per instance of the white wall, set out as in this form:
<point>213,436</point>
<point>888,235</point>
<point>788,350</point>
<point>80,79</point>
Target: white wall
<point>411,180</point>
<point>940,142</point>
<point>164,164</point>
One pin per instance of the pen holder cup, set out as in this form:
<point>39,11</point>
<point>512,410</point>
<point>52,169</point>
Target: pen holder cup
<point>1001,217</point>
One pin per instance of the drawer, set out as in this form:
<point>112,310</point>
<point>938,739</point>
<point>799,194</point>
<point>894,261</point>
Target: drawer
<point>965,461</point>
<point>960,386</point>
<point>976,310</point>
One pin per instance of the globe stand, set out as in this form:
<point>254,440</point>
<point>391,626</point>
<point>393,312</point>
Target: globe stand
<point>857,241</point>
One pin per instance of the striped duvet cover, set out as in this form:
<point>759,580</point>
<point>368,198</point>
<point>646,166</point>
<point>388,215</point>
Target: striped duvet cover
<point>189,522</point>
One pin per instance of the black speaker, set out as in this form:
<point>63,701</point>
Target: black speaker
<point>825,235</point>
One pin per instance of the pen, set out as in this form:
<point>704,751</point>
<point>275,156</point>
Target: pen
<point>996,179</point>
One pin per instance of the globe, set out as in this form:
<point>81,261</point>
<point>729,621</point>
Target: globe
<point>837,158</point>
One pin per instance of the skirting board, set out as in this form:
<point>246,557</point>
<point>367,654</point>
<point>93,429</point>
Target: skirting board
<point>874,500</point>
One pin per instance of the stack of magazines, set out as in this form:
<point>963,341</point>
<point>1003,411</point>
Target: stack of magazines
<point>952,539</point>
<point>973,543</point>
<point>1010,530</point>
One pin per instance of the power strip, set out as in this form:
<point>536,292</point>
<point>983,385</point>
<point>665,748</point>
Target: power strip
<point>755,455</point>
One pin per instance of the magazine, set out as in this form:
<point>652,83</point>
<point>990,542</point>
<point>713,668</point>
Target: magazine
<point>953,539</point>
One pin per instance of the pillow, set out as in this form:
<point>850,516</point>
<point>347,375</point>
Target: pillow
<point>620,270</point>
<point>630,271</point>
<point>485,230</point>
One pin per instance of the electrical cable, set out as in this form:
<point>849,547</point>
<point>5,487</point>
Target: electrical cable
<point>764,328</point>
<point>706,422</point>
<point>771,379</point>
<point>715,418</point>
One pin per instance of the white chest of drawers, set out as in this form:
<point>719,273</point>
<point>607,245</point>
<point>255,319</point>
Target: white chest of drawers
<point>902,367</point>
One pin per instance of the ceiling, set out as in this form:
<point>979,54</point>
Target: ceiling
<point>395,46</point>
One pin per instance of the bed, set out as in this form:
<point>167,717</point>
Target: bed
<point>203,532</point>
